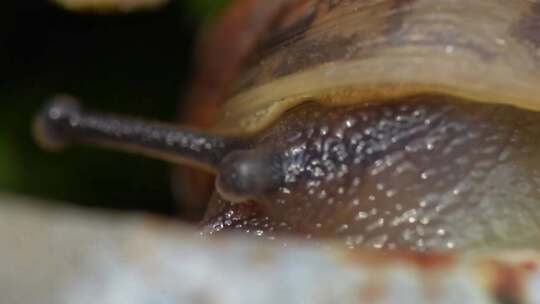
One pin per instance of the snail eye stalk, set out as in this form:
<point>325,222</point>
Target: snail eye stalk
<point>243,174</point>
<point>63,121</point>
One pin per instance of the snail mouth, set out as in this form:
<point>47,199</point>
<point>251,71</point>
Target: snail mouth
<point>423,173</point>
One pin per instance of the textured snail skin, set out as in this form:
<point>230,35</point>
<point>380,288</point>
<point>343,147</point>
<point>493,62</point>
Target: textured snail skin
<point>425,173</point>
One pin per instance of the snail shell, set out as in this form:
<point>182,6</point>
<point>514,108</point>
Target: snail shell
<point>352,52</point>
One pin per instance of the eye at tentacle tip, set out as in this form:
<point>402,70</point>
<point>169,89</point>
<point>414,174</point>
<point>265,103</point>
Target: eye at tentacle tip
<point>50,123</point>
<point>246,175</point>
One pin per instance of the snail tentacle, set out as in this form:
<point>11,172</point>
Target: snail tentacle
<point>249,174</point>
<point>63,121</point>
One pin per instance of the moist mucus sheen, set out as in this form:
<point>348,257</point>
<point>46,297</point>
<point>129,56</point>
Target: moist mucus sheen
<point>422,173</point>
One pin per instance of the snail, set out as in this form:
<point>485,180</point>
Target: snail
<point>386,124</point>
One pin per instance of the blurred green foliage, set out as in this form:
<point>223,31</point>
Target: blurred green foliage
<point>205,8</point>
<point>137,64</point>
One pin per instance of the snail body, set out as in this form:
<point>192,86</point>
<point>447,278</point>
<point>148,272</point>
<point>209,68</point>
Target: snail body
<point>378,123</point>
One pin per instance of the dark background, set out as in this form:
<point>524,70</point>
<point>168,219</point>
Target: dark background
<point>137,63</point>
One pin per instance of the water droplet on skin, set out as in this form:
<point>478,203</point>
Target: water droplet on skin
<point>427,174</point>
<point>378,242</point>
<point>390,193</point>
<point>377,224</point>
<point>343,228</point>
<point>324,130</point>
<point>361,215</point>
